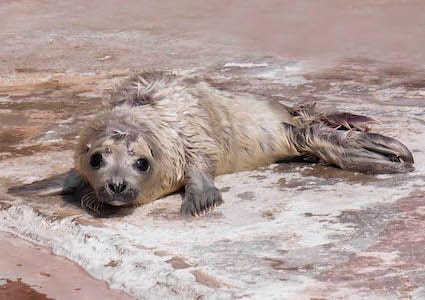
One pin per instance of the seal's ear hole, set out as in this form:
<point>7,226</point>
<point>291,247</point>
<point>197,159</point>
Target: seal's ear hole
<point>153,155</point>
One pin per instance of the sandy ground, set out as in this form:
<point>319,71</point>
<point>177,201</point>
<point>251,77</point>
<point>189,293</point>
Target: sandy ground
<point>289,231</point>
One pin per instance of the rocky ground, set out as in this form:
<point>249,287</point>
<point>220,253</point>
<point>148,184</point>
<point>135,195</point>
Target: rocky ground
<point>288,231</point>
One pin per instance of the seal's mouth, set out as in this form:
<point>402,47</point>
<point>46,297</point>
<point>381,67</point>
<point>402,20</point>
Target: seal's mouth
<point>117,203</point>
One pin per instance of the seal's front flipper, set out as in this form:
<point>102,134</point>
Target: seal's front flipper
<point>355,150</point>
<point>67,183</point>
<point>201,195</point>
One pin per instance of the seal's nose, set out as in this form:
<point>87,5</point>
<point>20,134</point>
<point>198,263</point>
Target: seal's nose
<point>117,188</point>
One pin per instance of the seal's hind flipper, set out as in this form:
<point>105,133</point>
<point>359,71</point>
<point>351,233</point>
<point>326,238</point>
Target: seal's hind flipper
<point>67,183</point>
<point>347,121</point>
<point>354,150</point>
<point>307,115</point>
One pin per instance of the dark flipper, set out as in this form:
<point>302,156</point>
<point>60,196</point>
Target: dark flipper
<point>354,150</point>
<point>201,195</point>
<point>67,183</point>
<point>305,115</point>
<point>71,183</point>
<point>347,121</point>
<point>343,139</point>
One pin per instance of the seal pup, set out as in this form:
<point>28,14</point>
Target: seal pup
<point>162,132</point>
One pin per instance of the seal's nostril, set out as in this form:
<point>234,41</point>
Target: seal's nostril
<point>117,188</point>
<point>112,187</point>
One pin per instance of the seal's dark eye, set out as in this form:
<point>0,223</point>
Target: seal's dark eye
<point>142,164</point>
<point>96,161</point>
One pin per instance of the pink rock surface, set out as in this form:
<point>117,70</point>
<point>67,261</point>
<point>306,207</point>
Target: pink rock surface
<point>37,268</point>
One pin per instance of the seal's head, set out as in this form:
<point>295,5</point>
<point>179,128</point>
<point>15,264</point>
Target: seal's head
<point>117,162</point>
